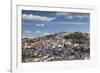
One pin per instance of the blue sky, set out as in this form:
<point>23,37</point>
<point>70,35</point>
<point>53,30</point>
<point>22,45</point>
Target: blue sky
<point>41,23</point>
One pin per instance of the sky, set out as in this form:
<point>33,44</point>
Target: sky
<point>41,23</point>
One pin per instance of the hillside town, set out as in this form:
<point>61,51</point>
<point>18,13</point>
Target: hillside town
<point>59,46</point>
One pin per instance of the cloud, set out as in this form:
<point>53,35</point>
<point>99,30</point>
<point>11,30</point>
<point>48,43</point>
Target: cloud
<point>27,32</point>
<point>81,16</point>
<point>66,15</point>
<point>63,14</point>
<point>37,17</point>
<point>75,23</point>
<point>38,32</point>
<point>71,15</point>
<point>40,25</point>
<point>46,33</point>
<point>77,16</point>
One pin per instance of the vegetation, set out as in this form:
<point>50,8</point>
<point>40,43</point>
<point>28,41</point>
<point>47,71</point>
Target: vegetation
<point>77,37</point>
